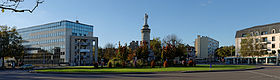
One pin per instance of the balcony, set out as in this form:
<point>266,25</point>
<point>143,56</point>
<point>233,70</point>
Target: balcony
<point>84,43</point>
<point>84,50</point>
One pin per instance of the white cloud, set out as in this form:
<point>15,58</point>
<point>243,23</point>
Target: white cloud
<point>208,2</point>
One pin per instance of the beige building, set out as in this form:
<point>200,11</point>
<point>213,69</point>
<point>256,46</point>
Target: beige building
<point>269,35</point>
<point>205,47</point>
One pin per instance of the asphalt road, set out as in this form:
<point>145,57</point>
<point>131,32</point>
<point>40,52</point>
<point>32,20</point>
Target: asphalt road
<point>268,73</point>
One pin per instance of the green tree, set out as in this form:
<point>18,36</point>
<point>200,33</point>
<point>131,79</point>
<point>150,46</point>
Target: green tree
<point>122,52</point>
<point>181,51</point>
<point>10,43</point>
<point>156,47</point>
<point>251,46</point>
<point>225,51</point>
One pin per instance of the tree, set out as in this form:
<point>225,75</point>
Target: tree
<point>251,46</point>
<point>100,52</point>
<point>168,52</point>
<point>156,47</point>
<point>14,5</point>
<point>10,43</point>
<point>109,51</point>
<point>181,49</point>
<point>172,40</point>
<point>174,46</point>
<point>131,54</point>
<point>225,51</point>
<point>122,52</point>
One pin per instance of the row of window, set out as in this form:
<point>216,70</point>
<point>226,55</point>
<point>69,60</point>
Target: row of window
<point>264,39</point>
<point>50,48</point>
<point>49,28</point>
<point>59,25</point>
<point>40,27</point>
<point>257,33</point>
<point>79,34</point>
<point>44,41</point>
<point>26,37</point>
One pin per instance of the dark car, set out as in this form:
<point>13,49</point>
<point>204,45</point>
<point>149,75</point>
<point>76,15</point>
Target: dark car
<point>27,66</point>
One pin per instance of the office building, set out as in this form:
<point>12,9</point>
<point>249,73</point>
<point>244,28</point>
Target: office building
<point>74,39</point>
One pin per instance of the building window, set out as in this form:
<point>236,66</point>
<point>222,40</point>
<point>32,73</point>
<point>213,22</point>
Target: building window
<point>273,46</point>
<point>264,33</point>
<point>257,40</point>
<point>264,39</point>
<point>273,38</point>
<point>263,46</point>
<point>257,33</point>
<point>252,33</point>
<point>243,35</point>
<point>273,31</point>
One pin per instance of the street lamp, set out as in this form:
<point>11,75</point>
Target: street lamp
<point>277,58</point>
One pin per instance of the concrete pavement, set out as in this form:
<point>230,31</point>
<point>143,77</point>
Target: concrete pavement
<point>268,73</point>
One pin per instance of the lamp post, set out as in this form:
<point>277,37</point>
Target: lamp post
<point>277,59</point>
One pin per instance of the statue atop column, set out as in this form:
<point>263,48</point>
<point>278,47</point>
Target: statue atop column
<point>146,19</point>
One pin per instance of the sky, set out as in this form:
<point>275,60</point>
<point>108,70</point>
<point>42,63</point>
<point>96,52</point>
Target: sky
<point>122,20</point>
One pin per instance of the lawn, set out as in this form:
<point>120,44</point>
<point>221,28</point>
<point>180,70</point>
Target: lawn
<point>76,67</point>
<point>198,68</point>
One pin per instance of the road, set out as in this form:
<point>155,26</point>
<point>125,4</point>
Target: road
<point>268,73</point>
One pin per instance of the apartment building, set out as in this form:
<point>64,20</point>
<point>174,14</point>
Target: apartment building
<point>205,47</point>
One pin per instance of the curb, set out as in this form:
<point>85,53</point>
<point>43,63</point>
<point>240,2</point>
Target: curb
<point>95,73</point>
<point>223,70</point>
<point>146,72</point>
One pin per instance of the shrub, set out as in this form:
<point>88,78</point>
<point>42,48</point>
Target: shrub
<point>110,65</point>
<point>139,63</point>
<point>123,64</point>
<point>118,65</point>
<point>96,65</point>
<point>153,64</point>
<point>165,64</point>
<point>190,63</point>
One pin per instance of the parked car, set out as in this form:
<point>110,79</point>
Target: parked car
<point>27,66</point>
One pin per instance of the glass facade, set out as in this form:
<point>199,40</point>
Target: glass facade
<point>52,35</point>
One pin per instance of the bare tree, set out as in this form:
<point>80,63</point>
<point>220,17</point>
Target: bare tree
<point>109,45</point>
<point>109,51</point>
<point>14,5</point>
<point>172,39</point>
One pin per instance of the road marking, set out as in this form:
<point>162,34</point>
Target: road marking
<point>264,74</point>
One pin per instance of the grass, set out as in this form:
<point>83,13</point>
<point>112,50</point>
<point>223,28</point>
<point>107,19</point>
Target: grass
<point>198,68</point>
<point>76,67</point>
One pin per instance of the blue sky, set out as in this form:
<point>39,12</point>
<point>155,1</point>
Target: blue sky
<point>121,20</point>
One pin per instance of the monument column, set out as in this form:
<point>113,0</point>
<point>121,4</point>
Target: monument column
<point>145,31</point>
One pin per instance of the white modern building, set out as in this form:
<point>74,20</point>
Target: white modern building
<point>74,39</point>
